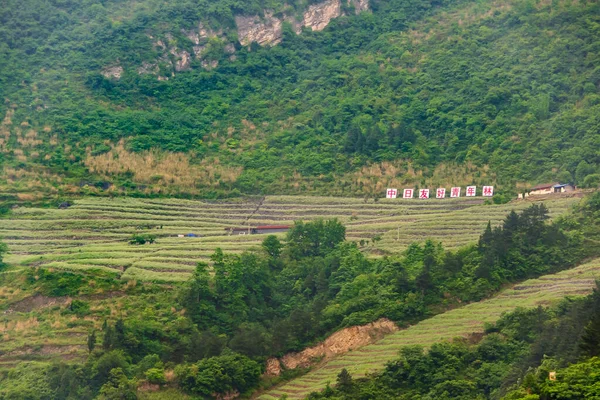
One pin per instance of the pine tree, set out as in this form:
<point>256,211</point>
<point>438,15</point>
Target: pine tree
<point>119,333</point>
<point>344,381</point>
<point>590,340</point>
<point>91,342</point>
<point>108,341</point>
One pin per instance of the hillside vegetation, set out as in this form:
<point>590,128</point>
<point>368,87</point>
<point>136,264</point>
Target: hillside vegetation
<point>463,322</point>
<point>404,93</point>
<point>135,135</point>
<point>513,359</point>
<point>110,334</point>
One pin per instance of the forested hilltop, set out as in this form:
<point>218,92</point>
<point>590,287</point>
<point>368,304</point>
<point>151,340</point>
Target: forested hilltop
<point>224,97</point>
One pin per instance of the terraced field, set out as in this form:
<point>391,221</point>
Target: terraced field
<point>455,323</point>
<point>94,232</point>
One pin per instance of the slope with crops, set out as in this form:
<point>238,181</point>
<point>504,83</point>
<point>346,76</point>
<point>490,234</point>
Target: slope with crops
<point>245,307</point>
<point>464,321</point>
<point>106,234</point>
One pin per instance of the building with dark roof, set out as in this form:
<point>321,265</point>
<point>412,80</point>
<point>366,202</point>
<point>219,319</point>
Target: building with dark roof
<point>548,188</point>
<point>261,229</point>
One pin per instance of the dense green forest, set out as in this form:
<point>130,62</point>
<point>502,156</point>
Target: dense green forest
<point>416,92</point>
<point>292,293</point>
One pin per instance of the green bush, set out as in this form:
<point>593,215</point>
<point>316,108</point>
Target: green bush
<point>592,181</point>
<point>156,376</point>
<point>222,374</point>
<point>78,307</point>
<point>142,239</point>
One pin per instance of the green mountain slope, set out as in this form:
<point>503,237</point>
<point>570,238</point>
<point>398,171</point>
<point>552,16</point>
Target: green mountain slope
<point>459,322</point>
<point>404,93</point>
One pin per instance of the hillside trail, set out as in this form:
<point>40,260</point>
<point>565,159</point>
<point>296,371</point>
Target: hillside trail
<point>465,321</point>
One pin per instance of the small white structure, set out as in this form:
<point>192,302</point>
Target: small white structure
<point>549,188</point>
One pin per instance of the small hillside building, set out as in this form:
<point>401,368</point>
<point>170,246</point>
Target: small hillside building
<point>261,229</point>
<point>272,228</point>
<point>549,188</point>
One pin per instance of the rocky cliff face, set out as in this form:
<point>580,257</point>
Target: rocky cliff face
<point>268,29</point>
<point>318,15</point>
<point>263,31</point>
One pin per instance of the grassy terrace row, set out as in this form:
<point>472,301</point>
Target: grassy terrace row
<point>94,232</point>
<point>463,322</point>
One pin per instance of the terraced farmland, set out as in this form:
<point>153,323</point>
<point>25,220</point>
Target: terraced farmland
<point>94,232</point>
<point>455,323</point>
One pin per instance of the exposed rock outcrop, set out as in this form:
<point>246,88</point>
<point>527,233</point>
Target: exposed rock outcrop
<point>267,30</point>
<point>175,56</point>
<point>318,15</point>
<point>206,33</point>
<point>339,343</point>
<point>229,48</point>
<point>263,31</point>
<point>360,6</point>
<point>148,68</point>
<point>209,64</point>
<point>182,60</point>
<point>115,71</point>
<point>273,367</point>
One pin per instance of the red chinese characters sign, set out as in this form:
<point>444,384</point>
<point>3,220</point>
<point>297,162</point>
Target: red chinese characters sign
<point>440,193</point>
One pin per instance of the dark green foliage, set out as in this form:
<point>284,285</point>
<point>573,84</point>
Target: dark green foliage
<point>226,373</point>
<point>156,376</point>
<point>118,387</point>
<point>272,246</point>
<point>315,238</point>
<point>78,307</point>
<point>577,381</point>
<point>523,246</point>
<point>344,381</point>
<point>100,366</point>
<point>590,340</point>
<point>64,283</point>
<point>587,221</point>
<point>322,284</point>
<point>198,298</point>
<point>149,362</point>
<point>3,250</point>
<point>38,381</point>
<point>91,341</point>
<point>142,239</point>
<point>109,336</point>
